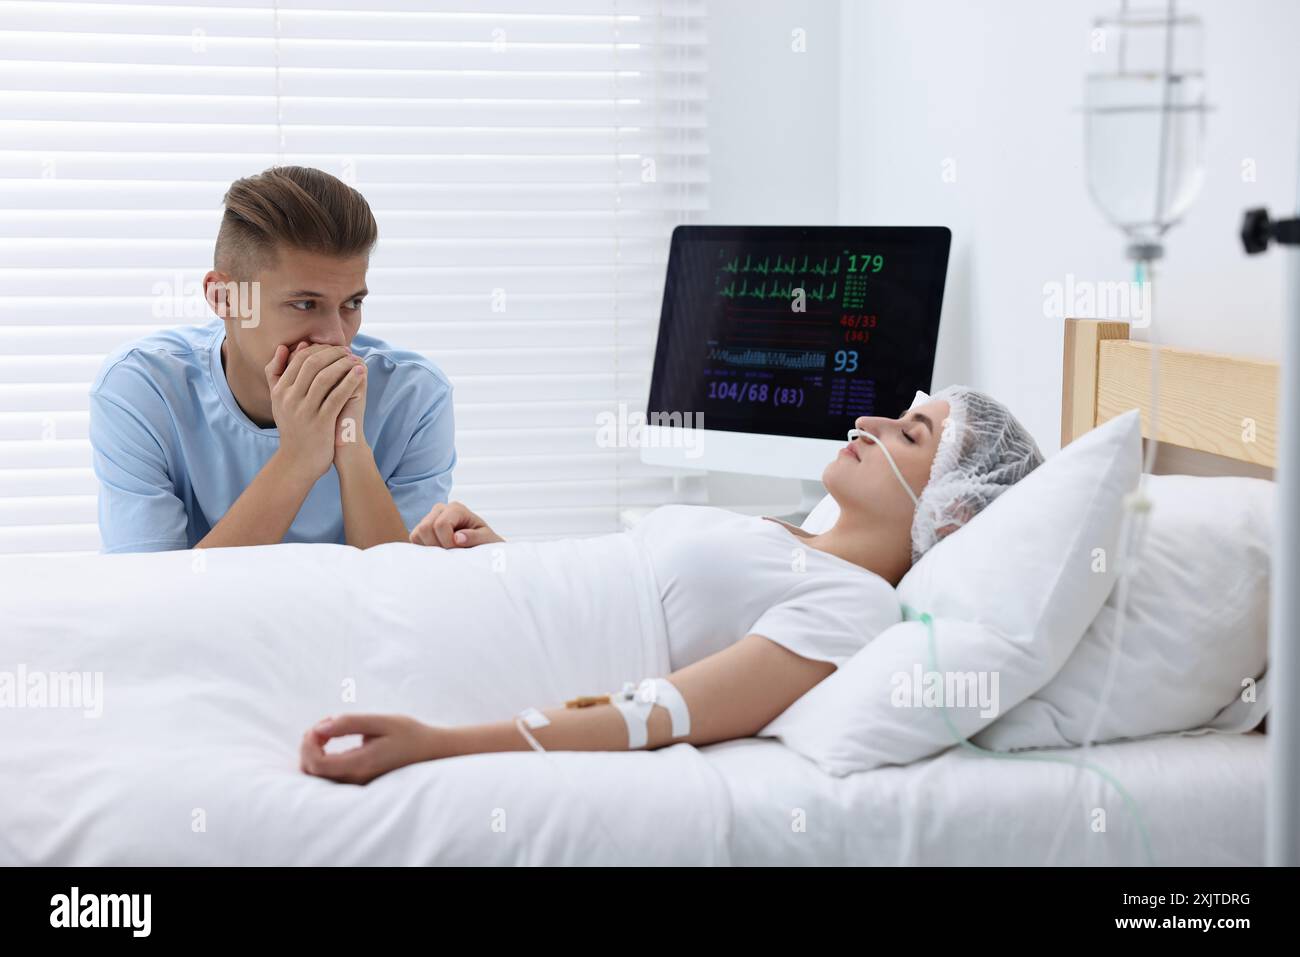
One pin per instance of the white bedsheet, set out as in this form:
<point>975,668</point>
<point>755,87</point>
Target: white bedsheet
<point>215,663</point>
<point>213,671</point>
<point>1200,798</point>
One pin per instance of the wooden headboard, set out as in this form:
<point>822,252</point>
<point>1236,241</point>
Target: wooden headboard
<point>1217,404</point>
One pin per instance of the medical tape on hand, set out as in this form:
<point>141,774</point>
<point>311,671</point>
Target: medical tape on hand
<point>634,703</point>
<point>531,718</point>
<point>662,692</point>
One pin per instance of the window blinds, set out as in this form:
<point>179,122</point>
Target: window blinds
<point>526,160</point>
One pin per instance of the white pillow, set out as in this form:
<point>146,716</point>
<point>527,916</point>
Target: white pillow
<point>1011,594</point>
<point>1196,630</point>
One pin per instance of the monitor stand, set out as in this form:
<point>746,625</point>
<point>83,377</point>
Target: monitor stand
<point>811,492</point>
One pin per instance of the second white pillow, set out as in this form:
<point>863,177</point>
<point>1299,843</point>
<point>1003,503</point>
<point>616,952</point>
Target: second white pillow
<point>1195,641</point>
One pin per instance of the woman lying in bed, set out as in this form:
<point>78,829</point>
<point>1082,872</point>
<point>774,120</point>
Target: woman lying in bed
<point>756,611</point>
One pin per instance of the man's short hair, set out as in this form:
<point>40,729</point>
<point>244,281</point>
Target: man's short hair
<point>292,206</point>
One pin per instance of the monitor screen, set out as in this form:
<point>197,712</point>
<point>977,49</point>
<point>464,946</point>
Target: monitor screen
<point>796,330</point>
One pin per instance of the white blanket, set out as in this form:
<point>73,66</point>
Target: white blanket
<point>214,664</point>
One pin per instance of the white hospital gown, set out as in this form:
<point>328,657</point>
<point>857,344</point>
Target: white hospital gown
<point>722,576</point>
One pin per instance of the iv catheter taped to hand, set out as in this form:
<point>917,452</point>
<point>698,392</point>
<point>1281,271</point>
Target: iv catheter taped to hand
<point>531,718</point>
<point>635,703</point>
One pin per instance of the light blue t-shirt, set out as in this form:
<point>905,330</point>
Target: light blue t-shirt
<point>173,450</point>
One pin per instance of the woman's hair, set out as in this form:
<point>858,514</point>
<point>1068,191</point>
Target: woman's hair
<point>291,206</point>
<point>983,451</point>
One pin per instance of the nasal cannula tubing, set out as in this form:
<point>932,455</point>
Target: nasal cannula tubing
<point>911,615</point>
<point>1130,533</point>
<point>860,434</point>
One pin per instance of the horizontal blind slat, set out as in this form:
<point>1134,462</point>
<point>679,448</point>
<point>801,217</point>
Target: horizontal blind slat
<point>339,55</point>
<point>180,302</point>
<point>587,278</point>
<point>58,195</point>
<point>360,113</point>
<point>667,9</point>
<point>406,231</point>
<point>362,166</point>
<point>665,88</point>
<point>52,135</point>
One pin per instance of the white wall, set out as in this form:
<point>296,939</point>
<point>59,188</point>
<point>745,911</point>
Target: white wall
<point>994,87</point>
<point>856,130</point>
<point>773,139</point>
<point>773,112</point>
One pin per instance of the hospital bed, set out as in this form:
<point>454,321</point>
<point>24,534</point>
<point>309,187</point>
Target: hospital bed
<point>191,782</point>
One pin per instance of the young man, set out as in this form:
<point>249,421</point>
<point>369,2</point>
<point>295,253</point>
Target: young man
<point>276,421</point>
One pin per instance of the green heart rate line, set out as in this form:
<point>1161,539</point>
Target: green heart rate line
<point>762,292</point>
<point>803,265</point>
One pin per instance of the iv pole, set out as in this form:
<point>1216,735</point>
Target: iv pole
<point>1282,820</point>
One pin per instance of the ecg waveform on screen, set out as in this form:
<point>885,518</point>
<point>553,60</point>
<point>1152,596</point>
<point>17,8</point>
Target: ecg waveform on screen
<point>797,265</point>
<point>790,266</point>
<point>839,279</point>
<point>793,327</point>
<point>760,291</point>
<point>768,358</point>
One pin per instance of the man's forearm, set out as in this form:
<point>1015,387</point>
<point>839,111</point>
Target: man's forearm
<point>265,510</point>
<point>370,516</point>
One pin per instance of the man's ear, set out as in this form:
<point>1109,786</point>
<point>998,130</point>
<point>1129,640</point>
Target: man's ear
<point>216,291</point>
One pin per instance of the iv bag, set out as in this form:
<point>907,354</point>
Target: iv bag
<point>1144,130</point>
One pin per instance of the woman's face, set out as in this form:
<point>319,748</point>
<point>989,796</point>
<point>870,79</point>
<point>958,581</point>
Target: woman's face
<point>860,478</point>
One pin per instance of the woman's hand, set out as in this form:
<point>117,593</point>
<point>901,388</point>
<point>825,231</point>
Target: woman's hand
<point>453,526</point>
<point>388,742</point>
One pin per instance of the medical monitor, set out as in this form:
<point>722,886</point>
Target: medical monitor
<point>773,339</point>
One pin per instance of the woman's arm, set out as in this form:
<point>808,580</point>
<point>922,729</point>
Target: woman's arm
<point>732,694</point>
<point>452,525</point>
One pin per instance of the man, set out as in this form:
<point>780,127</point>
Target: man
<point>276,421</point>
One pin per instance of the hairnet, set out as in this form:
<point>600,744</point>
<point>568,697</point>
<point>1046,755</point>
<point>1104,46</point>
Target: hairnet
<point>983,451</point>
